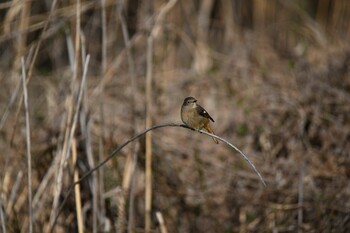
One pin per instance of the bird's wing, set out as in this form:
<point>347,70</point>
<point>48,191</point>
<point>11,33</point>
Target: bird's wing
<point>201,111</point>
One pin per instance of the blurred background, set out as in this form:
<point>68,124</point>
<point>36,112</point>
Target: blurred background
<point>274,75</point>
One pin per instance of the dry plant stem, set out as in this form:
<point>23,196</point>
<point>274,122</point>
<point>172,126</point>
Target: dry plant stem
<point>2,217</point>
<point>42,36</point>
<point>160,218</point>
<point>19,205</point>
<point>65,12</point>
<point>148,192</point>
<point>29,156</point>
<point>81,88</point>
<point>70,47</point>
<point>65,152</point>
<point>242,220</point>
<point>114,152</point>
<point>6,181</point>
<point>131,62</point>
<point>77,42</point>
<point>40,195</point>
<point>202,60</point>
<point>120,224</point>
<point>230,26</point>
<point>153,35</point>
<point>13,196</point>
<point>85,129</point>
<point>77,188</point>
<point>118,61</point>
<point>132,185</point>
<point>60,163</point>
<point>101,150</point>
<point>71,120</point>
<point>133,164</point>
<point>10,104</point>
<point>24,23</point>
<point>83,48</point>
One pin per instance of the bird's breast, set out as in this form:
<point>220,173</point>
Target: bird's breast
<point>191,118</point>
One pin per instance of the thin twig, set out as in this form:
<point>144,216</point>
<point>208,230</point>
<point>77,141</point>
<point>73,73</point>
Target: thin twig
<point>238,150</point>
<point>119,148</point>
<point>29,156</point>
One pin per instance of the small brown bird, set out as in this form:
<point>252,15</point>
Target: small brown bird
<point>195,116</point>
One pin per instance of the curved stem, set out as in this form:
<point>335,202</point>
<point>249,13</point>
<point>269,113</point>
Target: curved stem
<point>238,150</point>
<point>119,148</point>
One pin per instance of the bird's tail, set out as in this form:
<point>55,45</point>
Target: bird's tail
<point>210,130</point>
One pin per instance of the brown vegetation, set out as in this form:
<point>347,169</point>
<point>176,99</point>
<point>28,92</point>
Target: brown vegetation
<point>275,76</point>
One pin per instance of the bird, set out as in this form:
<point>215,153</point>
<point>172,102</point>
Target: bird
<point>195,116</point>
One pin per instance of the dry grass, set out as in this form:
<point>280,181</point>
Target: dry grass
<point>275,76</point>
